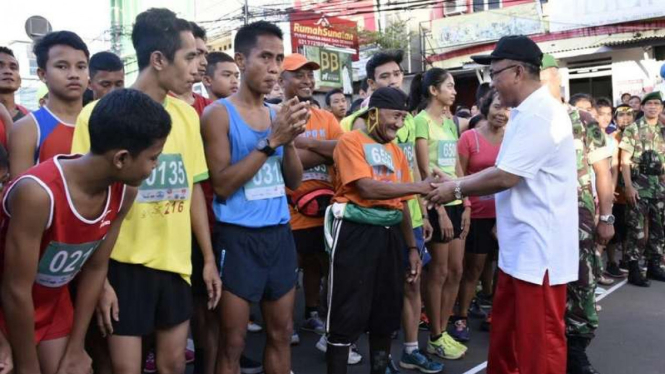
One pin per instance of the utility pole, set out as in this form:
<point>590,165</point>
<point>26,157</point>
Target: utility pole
<point>246,11</point>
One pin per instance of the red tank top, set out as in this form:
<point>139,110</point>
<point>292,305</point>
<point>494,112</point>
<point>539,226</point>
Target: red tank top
<point>68,241</point>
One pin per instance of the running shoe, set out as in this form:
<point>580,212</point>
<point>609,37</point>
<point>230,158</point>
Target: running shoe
<point>475,311</point>
<point>605,281</point>
<point>249,366</point>
<point>391,368</point>
<point>419,361</point>
<point>150,365</point>
<point>454,342</point>
<point>442,348</point>
<point>295,338</point>
<point>314,324</point>
<point>623,266</point>
<point>483,300</point>
<point>599,291</point>
<point>354,355</point>
<point>460,331</point>
<point>254,327</point>
<point>424,322</point>
<point>613,270</point>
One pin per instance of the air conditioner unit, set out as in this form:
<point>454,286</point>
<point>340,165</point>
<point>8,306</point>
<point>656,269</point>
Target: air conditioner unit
<point>452,7</point>
<point>37,26</point>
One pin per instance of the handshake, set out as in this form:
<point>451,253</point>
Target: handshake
<point>437,189</point>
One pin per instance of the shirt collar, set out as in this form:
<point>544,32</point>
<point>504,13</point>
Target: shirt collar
<point>533,99</point>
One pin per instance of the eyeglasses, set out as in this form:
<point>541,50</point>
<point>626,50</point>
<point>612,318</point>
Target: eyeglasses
<point>495,73</point>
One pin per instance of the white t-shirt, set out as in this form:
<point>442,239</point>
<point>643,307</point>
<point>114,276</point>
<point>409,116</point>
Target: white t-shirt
<point>537,220</point>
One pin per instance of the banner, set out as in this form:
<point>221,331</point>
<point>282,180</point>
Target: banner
<point>336,68</point>
<point>575,14</point>
<point>486,26</point>
<point>315,29</point>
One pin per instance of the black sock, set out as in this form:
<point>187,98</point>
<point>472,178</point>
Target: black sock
<point>434,338</point>
<point>379,353</point>
<point>309,310</point>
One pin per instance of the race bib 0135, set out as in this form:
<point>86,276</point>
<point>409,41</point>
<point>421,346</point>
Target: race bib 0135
<point>167,182</point>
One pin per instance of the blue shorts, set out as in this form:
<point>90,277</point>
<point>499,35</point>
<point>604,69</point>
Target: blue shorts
<point>257,263</point>
<point>425,257</point>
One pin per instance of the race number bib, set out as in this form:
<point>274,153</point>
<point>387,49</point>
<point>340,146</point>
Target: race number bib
<point>61,262</point>
<point>167,182</point>
<point>268,182</point>
<point>447,153</point>
<point>379,158</point>
<point>318,173</point>
<point>410,153</point>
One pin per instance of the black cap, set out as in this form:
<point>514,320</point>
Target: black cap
<point>513,47</point>
<point>388,98</point>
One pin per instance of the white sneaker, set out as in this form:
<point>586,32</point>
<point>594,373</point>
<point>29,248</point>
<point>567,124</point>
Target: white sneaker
<point>354,356</point>
<point>295,338</point>
<point>600,291</point>
<point>253,327</point>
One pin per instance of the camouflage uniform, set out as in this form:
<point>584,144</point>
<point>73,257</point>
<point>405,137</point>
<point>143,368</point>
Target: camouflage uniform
<point>591,146</point>
<point>638,139</point>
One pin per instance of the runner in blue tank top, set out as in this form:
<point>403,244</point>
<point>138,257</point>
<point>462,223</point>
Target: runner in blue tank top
<point>252,160</point>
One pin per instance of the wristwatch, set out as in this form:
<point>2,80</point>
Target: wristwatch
<point>458,190</point>
<point>264,146</point>
<point>608,219</point>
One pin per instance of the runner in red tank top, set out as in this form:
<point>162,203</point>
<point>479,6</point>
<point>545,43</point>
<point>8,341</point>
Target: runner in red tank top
<point>60,220</point>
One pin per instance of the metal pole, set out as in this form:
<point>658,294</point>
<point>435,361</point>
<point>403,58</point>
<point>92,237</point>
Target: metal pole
<point>246,10</point>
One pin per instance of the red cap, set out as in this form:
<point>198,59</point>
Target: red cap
<point>297,61</point>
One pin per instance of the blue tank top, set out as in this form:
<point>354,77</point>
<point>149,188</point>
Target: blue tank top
<point>261,201</point>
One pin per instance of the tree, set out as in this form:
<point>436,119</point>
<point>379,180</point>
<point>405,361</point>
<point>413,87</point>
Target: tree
<point>396,35</point>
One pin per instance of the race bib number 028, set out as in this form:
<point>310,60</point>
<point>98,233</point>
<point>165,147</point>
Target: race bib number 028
<point>167,182</point>
<point>61,262</point>
<point>447,153</point>
<point>268,182</point>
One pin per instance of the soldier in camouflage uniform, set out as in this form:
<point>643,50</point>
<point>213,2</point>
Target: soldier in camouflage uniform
<point>590,144</point>
<point>643,147</point>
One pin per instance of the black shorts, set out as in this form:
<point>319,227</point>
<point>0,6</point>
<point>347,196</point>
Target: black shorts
<point>257,263</point>
<point>454,213</point>
<point>198,285</point>
<point>148,299</point>
<point>366,282</point>
<point>309,241</point>
<point>480,240</point>
<point>619,212</point>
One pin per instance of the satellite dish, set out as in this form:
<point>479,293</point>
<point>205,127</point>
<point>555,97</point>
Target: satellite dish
<point>37,26</point>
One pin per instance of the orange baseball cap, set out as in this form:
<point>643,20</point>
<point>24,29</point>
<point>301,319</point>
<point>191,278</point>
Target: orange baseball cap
<point>296,61</point>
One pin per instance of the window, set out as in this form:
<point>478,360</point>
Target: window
<point>33,66</point>
<point>480,5</point>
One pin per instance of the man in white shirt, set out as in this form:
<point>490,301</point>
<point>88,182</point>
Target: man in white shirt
<point>535,183</point>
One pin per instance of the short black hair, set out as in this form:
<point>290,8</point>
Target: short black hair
<point>248,35</point>
<point>581,96</point>
<point>7,51</point>
<point>473,122</point>
<point>364,85</point>
<point>88,96</point>
<point>604,102</point>
<point>127,119</point>
<point>333,92</point>
<point>481,92</point>
<point>157,29</point>
<point>382,58</point>
<point>315,102</point>
<point>198,31</point>
<point>215,58</point>
<point>68,38</point>
<point>104,61</point>
<point>355,106</point>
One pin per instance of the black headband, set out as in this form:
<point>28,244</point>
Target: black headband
<point>388,98</point>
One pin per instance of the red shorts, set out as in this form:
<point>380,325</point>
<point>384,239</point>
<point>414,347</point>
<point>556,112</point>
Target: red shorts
<point>53,320</point>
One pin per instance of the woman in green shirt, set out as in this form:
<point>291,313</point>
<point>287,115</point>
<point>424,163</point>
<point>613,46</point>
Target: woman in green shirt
<point>436,148</point>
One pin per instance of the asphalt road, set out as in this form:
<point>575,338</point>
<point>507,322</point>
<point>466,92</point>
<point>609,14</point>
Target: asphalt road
<point>630,340</point>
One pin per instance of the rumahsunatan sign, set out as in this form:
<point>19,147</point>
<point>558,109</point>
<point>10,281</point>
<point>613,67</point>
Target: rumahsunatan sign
<point>318,30</point>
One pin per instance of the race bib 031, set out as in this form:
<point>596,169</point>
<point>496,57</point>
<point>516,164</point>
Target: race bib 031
<point>268,182</point>
<point>167,182</point>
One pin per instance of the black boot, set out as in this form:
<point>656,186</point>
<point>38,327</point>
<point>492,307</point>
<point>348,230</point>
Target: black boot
<point>635,275</point>
<point>578,362</point>
<point>336,358</point>
<point>655,271</point>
